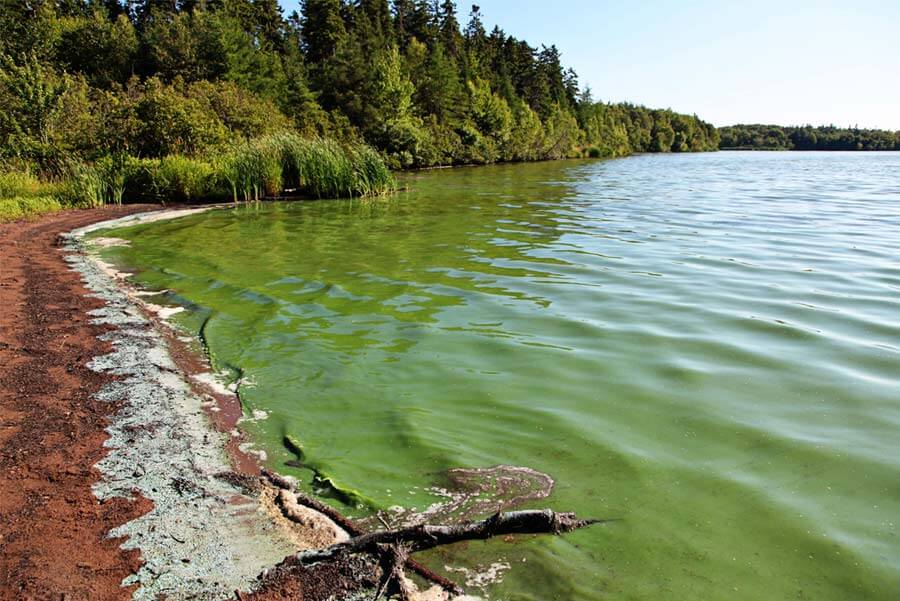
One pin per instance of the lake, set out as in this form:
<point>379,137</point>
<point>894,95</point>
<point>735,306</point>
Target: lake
<point>706,346</point>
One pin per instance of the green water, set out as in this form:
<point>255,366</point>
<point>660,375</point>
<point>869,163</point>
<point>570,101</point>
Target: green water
<point>707,346</point>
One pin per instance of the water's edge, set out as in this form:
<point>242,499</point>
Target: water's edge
<point>164,447</point>
<point>195,445</point>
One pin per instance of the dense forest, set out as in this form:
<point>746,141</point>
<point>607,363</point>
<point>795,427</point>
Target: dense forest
<point>158,77</point>
<point>776,137</point>
<point>186,99</point>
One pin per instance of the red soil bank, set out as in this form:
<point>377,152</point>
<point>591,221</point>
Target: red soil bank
<point>53,542</point>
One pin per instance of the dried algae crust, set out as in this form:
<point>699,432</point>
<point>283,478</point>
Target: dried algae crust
<point>205,537</point>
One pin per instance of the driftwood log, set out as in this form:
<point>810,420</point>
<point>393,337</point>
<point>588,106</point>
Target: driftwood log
<point>392,547</point>
<point>421,538</point>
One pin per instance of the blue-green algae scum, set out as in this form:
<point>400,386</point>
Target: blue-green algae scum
<point>706,346</point>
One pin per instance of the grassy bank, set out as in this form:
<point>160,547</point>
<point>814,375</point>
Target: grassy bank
<point>264,167</point>
<point>24,196</point>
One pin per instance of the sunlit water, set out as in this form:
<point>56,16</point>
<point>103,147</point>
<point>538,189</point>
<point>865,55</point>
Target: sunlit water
<point>706,346</point>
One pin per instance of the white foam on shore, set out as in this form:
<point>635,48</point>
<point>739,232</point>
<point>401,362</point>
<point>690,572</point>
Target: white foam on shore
<point>104,242</point>
<point>163,311</point>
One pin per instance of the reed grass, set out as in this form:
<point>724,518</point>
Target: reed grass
<point>184,179</point>
<point>254,169</point>
<point>83,186</point>
<point>314,166</point>
<point>113,171</point>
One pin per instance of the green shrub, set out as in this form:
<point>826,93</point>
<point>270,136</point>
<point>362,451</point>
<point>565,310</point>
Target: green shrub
<point>169,123</point>
<point>29,207</point>
<point>183,179</point>
<point>16,183</point>
<point>139,178</point>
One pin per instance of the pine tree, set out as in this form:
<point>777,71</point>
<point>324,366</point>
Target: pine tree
<point>379,16</point>
<point>439,91</point>
<point>322,28</point>
<point>449,28</point>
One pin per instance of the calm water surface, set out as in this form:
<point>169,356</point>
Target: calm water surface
<point>707,346</point>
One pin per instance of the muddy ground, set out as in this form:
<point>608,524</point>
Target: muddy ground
<point>53,530</point>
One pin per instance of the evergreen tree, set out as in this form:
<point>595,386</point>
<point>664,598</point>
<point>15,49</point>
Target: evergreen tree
<point>439,91</point>
<point>322,28</point>
<point>451,38</point>
<point>378,15</point>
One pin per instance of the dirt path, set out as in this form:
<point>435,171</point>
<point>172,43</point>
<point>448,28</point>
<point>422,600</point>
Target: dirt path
<point>52,529</point>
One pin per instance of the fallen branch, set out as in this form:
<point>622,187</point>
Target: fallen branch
<point>355,531</point>
<point>392,547</point>
<point>304,499</point>
<point>420,538</point>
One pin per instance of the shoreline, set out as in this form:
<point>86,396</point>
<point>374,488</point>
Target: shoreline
<point>171,517</point>
<point>192,515</point>
<point>222,406</point>
<point>205,535</point>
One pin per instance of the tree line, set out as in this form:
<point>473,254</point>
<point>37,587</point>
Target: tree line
<point>155,78</point>
<point>807,137</point>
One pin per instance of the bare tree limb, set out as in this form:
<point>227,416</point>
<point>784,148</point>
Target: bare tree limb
<point>355,531</point>
<point>420,538</point>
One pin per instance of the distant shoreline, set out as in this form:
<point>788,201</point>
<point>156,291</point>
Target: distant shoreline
<point>759,136</point>
<point>773,149</point>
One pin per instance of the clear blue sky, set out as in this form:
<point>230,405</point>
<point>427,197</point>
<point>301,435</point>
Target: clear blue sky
<point>730,61</point>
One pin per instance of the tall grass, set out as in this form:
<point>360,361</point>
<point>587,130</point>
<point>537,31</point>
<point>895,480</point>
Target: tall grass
<point>183,179</point>
<point>254,169</point>
<point>371,174</point>
<point>265,166</point>
<point>316,166</point>
<point>83,186</point>
<point>19,184</point>
<point>113,171</point>
<point>24,196</point>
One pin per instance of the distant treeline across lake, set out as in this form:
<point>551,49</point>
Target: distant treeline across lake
<point>777,137</point>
